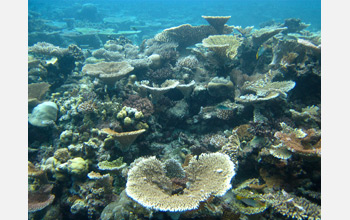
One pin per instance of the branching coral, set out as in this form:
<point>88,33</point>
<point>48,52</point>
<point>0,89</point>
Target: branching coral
<point>209,174</point>
<point>141,104</point>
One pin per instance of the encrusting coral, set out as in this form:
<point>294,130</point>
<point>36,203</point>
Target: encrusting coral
<point>209,174</point>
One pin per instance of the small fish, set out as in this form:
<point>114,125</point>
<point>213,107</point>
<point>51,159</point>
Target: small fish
<point>222,107</point>
<point>260,51</point>
<point>250,202</point>
<point>133,28</point>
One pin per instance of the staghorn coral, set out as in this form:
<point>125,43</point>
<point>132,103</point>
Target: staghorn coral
<point>109,72</point>
<point>218,22</point>
<point>209,174</point>
<point>225,46</point>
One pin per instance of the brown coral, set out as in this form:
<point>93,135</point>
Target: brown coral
<point>124,138</point>
<point>40,199</point>
<point>305,146</point>
<point>36,92</point>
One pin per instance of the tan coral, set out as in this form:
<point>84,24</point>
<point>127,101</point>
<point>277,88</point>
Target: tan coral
<point>36,92</point>
<point>157,92</point>
<point>124,138</point>
<point>209,174</point>
<point>225,46</point>
<point>186,35</point>
<point>112,165</point>
<point>109,72</point>
<point>303,145</point>
<point>217,22</point>
<point>264,90</point>
<point>38,200</point>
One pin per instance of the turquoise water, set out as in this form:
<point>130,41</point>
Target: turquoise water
<point>152,16</point>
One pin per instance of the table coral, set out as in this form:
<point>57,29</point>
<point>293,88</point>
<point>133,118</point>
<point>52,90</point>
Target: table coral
<point>225,46</point>
<point>109,72</point>
<point>209,174</point>
<point>217,22</point>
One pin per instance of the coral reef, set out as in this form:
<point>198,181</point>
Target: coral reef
<point>140,124</point>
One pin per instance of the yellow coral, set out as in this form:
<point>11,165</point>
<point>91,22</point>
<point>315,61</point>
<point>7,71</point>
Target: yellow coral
<point>223,45</point>
<point>127,121</point>
<point>138,115</point>
<point>142,125</point>
<point>77,166</point>
<point>122,114</point>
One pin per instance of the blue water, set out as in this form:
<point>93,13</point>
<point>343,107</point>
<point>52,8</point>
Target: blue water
<point>157,15</point>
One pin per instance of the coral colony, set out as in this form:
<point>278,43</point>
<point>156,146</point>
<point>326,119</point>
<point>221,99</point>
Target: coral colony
<point>198,122</point>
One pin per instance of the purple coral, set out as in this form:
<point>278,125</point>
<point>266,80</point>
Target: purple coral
<point>141,104</point>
